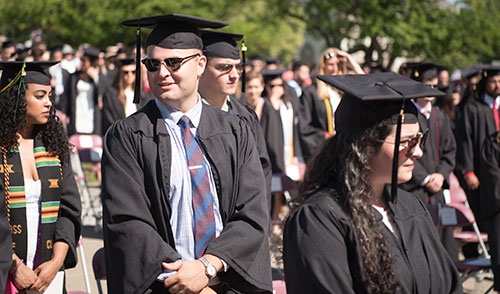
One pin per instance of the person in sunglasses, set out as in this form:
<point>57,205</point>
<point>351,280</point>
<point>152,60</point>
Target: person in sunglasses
<point>352,230</point>
<point>218,85</point>
<point>183,194</point>
<point>431,176</point>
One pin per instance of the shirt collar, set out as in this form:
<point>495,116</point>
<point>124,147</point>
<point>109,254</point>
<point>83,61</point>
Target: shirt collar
<point>489,100</point>
<point>173,115</point>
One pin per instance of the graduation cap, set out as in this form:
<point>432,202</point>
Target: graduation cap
<point>92,53</point>
<point>425,70</point>
<point>271,74</point>
<point>19,72</point>
<point>489,70</point>
<point>125,61</point>
<point>221,44</point>
<point>174,31</point>
<point>29,72</point>
<point>372,98</point>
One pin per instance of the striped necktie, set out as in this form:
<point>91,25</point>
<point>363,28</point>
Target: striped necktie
<point>495,115</point>
<point>204,220</point>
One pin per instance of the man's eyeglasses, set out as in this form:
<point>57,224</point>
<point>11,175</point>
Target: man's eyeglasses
<point>172,64</point>
<point>225,68</point>
<point>411,144</point>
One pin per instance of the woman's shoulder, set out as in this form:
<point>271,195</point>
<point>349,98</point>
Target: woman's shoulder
<point>320,205</point>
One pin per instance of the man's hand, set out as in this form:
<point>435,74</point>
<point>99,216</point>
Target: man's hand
<point>190,277</point>
<point>472,181</point>
<point>435,183</point>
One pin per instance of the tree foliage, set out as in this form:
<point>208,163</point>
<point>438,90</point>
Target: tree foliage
<point>97,22</point>
<point>456,35</point>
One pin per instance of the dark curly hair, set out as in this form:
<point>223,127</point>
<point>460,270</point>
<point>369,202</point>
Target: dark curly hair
<point>342,167</point>
<point>52,133</point>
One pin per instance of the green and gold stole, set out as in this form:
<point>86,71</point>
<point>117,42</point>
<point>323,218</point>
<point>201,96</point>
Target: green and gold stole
<point>50,174</point>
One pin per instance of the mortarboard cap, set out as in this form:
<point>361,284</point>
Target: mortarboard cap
<point>125,61</point>
<point>35,73</point>
<point>221,44</point>
<point>489,70</point>
<point>425,70</point>
<point>271,74</point>
<point>372,98</point>
<point>173,31</point>
<point>92,53</point>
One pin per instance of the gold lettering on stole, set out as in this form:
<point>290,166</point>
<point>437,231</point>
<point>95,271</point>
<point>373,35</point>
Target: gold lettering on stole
<point>9,168</point>
<point>49,244</point>
<point>53,183</point>
<point>16,229</point>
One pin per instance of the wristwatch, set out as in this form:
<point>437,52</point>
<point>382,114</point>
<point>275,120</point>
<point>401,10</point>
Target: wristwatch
<point>210,269</point>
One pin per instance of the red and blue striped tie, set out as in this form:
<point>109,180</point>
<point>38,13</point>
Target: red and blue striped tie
<point>204,220</point>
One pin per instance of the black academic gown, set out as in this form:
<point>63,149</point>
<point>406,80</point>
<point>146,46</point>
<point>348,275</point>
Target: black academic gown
<point>136,212</point>
<point>490,189</point>
<point>272,127</point>
<point>473,127</point>
<point>439,156</point>
<point>5,246</point>
<point>248,114</point>
<point>315,121</point>
<point>321,250</point>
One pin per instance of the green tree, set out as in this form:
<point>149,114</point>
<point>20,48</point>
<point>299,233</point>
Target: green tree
<point>455,35</point>
<point>97,22</point>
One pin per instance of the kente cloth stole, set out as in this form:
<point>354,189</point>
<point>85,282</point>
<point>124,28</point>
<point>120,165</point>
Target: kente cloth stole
<point>50,174</point>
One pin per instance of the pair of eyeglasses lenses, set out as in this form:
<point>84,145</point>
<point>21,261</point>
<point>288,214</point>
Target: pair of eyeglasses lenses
<point>419,140</point>
<point>173,64</point>
<point>227,68</point>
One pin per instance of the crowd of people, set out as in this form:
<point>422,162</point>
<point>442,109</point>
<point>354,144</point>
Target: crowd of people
<point>194,138</point>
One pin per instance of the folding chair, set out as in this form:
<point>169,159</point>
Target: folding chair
<point>81,253</point>
<point>451,216</point>
<point>279,287</point>
<point>458,199</point>
<point>86,159</point>
<point>99,268</point>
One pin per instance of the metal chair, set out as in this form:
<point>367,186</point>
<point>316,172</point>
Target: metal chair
<point>460,216</point>
<point>86,160</point>
<point>99,268</point>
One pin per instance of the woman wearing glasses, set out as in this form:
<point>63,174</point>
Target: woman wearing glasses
<point>320,100</point>
<point>352,232</point>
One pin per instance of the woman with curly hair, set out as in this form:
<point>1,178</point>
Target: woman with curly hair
<point>350,231</point>
<point>41,197</point>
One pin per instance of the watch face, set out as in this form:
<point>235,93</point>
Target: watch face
<point>211,271</point>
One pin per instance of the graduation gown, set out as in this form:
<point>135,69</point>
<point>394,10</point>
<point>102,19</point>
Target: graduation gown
<point>321,249</point>
<point>272,127</point>
<point>490,189</point>
<point>5,246</point>
<point>473,127</point>
<point>439,156</point>
<point>248,114</point>
<point>315,122</point>
<point>136,212</point>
